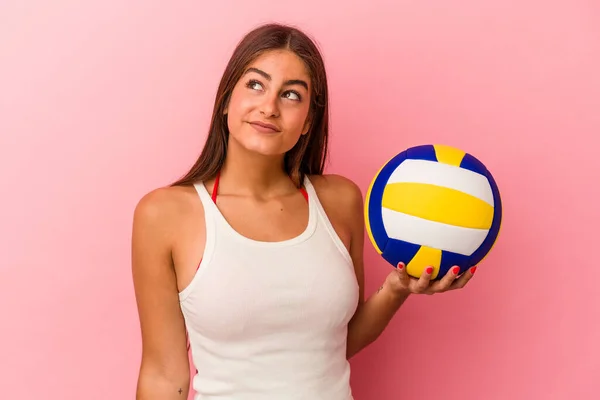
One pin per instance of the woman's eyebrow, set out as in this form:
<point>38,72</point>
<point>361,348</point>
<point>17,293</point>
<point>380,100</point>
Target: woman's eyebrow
<point>268,77</point>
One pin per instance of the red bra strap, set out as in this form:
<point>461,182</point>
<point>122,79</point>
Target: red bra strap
<point>304,193</point>
<point>215,187</point>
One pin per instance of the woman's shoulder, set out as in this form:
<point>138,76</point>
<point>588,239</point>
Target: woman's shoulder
<point>336,185</point>
<point>338,192</point>
<point>165,206</point>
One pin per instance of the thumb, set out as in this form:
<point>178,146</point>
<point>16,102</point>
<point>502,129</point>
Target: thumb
<point>402,274</point>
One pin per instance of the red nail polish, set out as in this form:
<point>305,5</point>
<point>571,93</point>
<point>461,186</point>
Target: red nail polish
<point>429,270</point>
<point>400,265</point>
<point>473,269</point>
<point>455,270</point>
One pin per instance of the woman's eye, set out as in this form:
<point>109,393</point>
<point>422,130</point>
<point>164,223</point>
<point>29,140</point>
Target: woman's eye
<point>254,85</point>
<point>292,96</point>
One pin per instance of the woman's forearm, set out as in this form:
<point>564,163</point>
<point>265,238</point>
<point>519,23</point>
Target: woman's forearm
<point>371,318</point>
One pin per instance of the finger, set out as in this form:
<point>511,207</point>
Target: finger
<point>402,274</point>
<point>464,279</point>
<point>446,282</point>
<point>421,285</point>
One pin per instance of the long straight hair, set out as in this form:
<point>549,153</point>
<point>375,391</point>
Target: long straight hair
<point>309,154</point>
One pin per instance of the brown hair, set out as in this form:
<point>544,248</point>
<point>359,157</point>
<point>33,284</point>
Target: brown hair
<point>308,156</point>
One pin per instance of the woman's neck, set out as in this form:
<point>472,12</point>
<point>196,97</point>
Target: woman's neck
<point>253,174</point>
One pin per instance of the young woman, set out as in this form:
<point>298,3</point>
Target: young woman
<point>255,254</point>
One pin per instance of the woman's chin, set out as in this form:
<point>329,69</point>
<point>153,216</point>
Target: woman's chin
<point>261,148</point>
<point>266,152</point>
<point>268,148</point>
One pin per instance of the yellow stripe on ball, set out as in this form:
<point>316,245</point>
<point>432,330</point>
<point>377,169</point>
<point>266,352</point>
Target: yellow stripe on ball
<point>425,257</point>
<point>439,204</point>
<point>439,174</point>
<point>448,155</point>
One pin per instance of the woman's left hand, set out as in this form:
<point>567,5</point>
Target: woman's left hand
<point>400,283</point>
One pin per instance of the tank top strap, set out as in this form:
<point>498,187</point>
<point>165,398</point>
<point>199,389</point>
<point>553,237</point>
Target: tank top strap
<point>211,211</point>
<point>205,196</point>
<point>308,189</point>
<point>324,219</point>
<point>210,220</point>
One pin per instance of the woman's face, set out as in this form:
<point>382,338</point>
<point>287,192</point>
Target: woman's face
<point>269,106</point>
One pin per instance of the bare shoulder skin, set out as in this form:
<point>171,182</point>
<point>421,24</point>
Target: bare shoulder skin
<point>165,221</point>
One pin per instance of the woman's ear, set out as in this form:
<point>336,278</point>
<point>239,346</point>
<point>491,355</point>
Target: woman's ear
<point>307,125</point>
<point>226,106</point>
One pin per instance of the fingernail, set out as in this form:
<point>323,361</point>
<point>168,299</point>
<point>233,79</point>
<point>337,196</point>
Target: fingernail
<point>473,269</point>
<point>455,270</point>
<point>429,270</point>
<point>400,265</point>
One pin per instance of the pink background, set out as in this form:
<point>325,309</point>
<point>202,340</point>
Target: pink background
<point>102,101</point>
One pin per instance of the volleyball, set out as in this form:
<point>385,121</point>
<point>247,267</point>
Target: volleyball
<point>433,205</point>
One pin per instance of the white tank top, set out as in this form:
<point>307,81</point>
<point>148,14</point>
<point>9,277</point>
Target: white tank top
<point>268,320</point>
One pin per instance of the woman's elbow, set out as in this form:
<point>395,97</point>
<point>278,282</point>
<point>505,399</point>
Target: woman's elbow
<point>163,382</point>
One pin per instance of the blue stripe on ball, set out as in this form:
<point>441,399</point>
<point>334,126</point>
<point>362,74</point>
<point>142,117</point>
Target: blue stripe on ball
<point>375,202</point>
<point>450,259</point>
<point>424,152</point>
<point>399,251</point>
<point>492,235</point>
<point>472,164</point>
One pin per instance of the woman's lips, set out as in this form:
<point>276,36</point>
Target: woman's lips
<point>264,127</point>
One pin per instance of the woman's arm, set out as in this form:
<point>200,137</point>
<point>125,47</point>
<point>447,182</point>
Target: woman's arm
<point>164,371</point>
